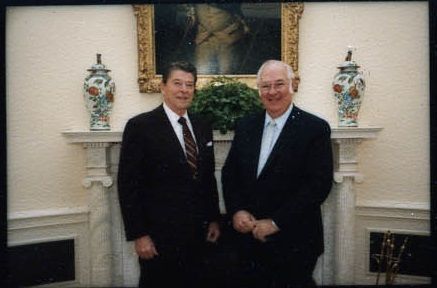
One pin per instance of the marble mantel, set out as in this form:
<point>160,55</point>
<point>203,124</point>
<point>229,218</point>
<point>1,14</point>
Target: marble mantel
<point>334,267</point>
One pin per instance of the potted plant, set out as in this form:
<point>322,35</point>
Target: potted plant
<point>224,100</point>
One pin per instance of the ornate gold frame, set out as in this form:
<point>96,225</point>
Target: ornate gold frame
<point>148,80</point>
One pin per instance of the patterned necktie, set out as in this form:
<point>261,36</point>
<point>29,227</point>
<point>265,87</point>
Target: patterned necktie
<point>190,145</point>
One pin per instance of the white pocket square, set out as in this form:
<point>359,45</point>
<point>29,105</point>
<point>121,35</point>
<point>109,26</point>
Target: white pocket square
<point>209,144</point>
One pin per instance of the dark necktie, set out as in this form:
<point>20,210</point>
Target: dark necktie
<point>190,145</point>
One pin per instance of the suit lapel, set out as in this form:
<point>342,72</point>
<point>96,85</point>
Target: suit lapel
<point>198,133</point>
<point>285,139</point>
<point>167,134</point>
<point>255,138</point>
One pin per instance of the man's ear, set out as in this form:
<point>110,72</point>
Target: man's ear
<point>295,83</point>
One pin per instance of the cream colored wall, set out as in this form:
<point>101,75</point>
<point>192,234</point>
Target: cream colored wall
<point>392,49</point>
<point>49,49</point>
<point>48,52</point>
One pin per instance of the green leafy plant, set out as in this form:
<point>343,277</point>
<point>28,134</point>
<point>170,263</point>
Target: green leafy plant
<point>224,100</point>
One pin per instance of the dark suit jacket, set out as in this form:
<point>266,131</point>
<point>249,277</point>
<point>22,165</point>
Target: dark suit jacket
<point>158,195</point>
<point>293,184</point>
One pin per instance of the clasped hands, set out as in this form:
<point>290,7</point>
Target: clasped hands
<point>244,222</point>
<point>146,249</point>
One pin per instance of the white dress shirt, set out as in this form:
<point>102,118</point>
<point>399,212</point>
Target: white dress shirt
<point>272,130</point>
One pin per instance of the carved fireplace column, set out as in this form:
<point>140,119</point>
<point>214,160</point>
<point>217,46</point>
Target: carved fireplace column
<point>97,181</point>
<point>346,173</point>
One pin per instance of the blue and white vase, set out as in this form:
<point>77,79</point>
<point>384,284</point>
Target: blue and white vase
<point>99,92</point>
<point>348,86</point>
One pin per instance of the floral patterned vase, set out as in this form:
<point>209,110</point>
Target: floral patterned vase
<point>348,86</point>
<point>99,95</point>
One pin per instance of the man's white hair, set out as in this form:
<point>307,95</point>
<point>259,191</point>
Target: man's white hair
<point>290,74</point>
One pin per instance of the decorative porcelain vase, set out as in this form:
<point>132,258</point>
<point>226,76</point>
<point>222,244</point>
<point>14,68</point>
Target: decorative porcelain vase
<point>348,86</point>
<point>99,95</point>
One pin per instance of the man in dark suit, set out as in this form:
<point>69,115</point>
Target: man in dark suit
<point>167,189</point>
<point>277,174</point>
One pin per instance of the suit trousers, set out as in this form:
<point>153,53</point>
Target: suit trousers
<point>271,265</point>
<point>174,267</point>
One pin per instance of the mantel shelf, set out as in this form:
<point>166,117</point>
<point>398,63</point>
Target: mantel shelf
<point>87,136</point>
<point>115,136</point>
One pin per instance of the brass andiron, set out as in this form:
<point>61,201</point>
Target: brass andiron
<point>387,258</point>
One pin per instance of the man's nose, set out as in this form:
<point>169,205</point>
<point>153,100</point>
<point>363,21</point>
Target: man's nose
<point>272,89</point>
<point>185,87</point>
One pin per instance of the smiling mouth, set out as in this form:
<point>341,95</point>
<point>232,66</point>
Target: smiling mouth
<point>272,99</point>
<point>182,97</point>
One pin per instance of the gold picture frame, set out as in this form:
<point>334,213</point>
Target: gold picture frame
<point>149,81</point>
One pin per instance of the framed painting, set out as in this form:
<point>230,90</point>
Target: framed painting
<point>231,39</point>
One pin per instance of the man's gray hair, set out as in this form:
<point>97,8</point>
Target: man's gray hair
<point>290,74</point>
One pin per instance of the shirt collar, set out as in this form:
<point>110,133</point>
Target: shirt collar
<point>172,115</point>
<point>280,121</point>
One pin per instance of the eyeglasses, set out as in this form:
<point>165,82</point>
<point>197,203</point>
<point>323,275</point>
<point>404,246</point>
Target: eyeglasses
<point>265,87</point>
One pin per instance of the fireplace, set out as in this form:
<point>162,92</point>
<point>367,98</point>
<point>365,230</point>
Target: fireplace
<point>112,259</point>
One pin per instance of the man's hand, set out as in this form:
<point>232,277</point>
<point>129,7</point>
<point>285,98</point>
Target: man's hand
<point>243,221</point>
<point>264,228</point>
<point>145,248</point>
<point>213,232</point>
